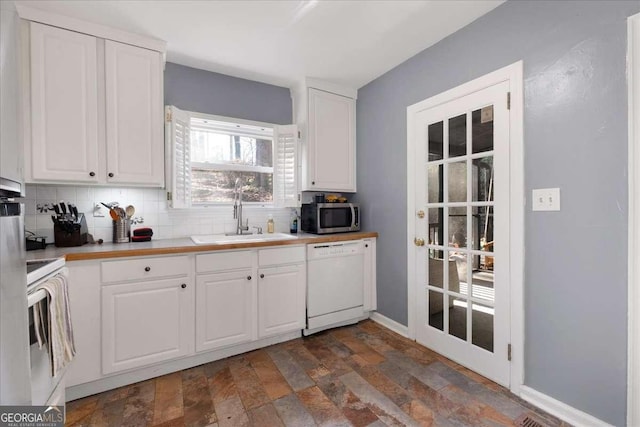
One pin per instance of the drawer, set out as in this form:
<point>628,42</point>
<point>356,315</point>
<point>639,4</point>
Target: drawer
<point>276,256</point>
<point>222,261</point>
<point>144,268</point>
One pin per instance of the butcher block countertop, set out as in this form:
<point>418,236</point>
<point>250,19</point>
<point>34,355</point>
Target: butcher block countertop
<point>179,246</point>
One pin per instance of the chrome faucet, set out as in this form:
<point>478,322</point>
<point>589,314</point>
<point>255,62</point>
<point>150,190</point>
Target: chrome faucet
<point>237,209</point>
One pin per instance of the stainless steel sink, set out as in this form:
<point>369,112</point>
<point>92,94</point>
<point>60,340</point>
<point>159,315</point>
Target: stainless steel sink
<point>221,239</point>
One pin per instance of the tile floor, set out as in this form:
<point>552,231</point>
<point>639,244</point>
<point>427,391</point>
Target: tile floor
<point>361,375</point>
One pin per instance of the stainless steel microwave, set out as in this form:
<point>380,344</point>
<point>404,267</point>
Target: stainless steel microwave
<point>325,218</point>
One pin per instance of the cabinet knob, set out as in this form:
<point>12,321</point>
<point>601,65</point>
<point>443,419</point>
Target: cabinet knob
<point>92,174</point>
<point>183,286</point>
<point>248,277</point>
<point>262,276</point>
<point>147,269</point>
<point>313,183</point>
<point>110,174</point>
<point>366,246</point>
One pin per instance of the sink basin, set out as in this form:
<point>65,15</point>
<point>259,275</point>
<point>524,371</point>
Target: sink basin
<point>221,239</point>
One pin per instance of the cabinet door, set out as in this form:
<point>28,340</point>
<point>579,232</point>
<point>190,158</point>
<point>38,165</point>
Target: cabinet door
<point>331,160</point>
<point>134,109</point>
<point>281,299</point>
<point>145,323</point>
<point>64,105</point>
<point>370,294</point>
<point>84,302</point>
<point>225,307</point>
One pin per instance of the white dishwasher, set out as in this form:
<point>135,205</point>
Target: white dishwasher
<point>335,284</point>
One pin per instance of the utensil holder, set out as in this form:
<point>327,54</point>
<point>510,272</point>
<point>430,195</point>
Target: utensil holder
<point>121,230</point>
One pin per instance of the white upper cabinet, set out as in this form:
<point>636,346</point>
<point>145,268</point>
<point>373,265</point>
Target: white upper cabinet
<point>326,116</point>
<point>64,105</point>
<point>95,110</point>
<point>331,158</point>
<point>135,152</point>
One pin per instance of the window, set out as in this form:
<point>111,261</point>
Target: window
<point>208,153</point>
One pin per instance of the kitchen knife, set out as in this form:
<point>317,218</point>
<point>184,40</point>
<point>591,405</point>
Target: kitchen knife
<point>56,208</point>
<point>54,219</point>
<point>63,207</point>
<point>75,211</point>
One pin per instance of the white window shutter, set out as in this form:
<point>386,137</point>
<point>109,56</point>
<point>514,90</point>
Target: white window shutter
<point>178,138</point>
<point>285,166</point>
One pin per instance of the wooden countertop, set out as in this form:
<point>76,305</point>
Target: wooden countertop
<point>178,246</point>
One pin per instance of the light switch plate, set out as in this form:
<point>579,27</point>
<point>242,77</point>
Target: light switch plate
<point>546,199</point>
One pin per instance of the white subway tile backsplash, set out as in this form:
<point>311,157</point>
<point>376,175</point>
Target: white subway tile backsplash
<point>150,204</point>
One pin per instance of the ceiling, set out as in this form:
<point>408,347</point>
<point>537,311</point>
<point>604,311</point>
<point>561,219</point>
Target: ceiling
<point>282,41</point>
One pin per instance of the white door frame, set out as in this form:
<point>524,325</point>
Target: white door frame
<point>512,74</point>
<point>633,368</point>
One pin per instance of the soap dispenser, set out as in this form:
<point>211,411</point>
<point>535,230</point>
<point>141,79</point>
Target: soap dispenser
<point>270,224</point>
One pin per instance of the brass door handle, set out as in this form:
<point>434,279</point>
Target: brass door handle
<point>418,242</point>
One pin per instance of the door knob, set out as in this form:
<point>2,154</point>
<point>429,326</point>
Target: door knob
<point>418,242</point>
<point>420,214</point>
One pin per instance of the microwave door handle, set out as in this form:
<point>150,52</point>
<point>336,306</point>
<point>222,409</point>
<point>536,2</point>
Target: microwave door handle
<point>353,216</point>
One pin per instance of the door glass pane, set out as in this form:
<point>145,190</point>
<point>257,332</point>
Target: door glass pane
<point>436,141</point>
<point>482,233</point>
<point>436,315</point>
<point>436,226</point>
<point>458,227</point>
<point>457,317</point>
<point>482,129</point>
<point>458,136</point>
<point>457,182</point>
<point>483,180</point>
<point>434,183</point>
<point>458,272</point>
<point>436,270</point>
<point>482,284</point>
<point>482,326</point>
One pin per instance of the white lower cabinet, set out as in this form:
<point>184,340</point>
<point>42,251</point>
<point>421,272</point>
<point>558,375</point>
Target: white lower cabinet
<point>225,309</point>
<point>145,323</point>
<point>370,294</point>
<point>281,299</point>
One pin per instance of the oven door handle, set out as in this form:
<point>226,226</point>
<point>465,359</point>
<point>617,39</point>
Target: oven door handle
<point>34,297</point>
<point>353,216</point>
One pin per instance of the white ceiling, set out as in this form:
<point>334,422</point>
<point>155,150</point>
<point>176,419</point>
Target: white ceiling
<point>280,42</point>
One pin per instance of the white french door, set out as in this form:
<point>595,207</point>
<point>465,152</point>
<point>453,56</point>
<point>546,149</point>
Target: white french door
<point>462,255</point>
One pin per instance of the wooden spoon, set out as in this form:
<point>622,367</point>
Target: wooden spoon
<point>130,210</point>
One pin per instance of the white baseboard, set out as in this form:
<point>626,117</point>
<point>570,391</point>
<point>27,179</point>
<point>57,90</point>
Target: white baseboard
<point>396,327</point>
<point>561,410</point>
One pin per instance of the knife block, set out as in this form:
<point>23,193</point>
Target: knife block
<point>73,232</point>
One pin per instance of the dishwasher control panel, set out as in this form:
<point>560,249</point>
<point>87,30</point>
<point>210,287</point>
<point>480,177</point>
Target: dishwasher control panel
<point>334,249</point>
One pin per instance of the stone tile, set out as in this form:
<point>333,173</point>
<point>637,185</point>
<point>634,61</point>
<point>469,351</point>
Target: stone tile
<point>353,409</point>
<point>419,412</point>
<point>139,406</point>
<point>222,385</point>
<point>303,357</point>
<point>291,371</point>
<point>274,383</point>
<point>379,404</point>
<point>81,410</point>
<point>329,359</point>
<point>427,374</point>
<point>248,384</point>
<point>168,398</point>
<point>109,414</point>
<point>321,408</point>
<point>176,422</point>
<point>438,402</point>
<point>212,368</point>
<point>198,404</point>
<point>292,411</point>
<point>231,413</point>
<point>381,382</point>
<point>266,416</point>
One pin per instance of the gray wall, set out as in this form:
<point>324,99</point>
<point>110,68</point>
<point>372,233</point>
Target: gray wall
<point>212,93</point>
<point>575,130</point>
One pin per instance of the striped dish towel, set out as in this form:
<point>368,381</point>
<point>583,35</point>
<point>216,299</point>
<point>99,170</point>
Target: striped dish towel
<point>54,328</point>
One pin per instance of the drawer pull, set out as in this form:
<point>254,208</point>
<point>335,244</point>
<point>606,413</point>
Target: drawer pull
<point>183,286</point>
<point>92,174</point>
<point>248,277</point>
<point>147,269</point>
<point>262,276</point>
<point>110,174</point>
